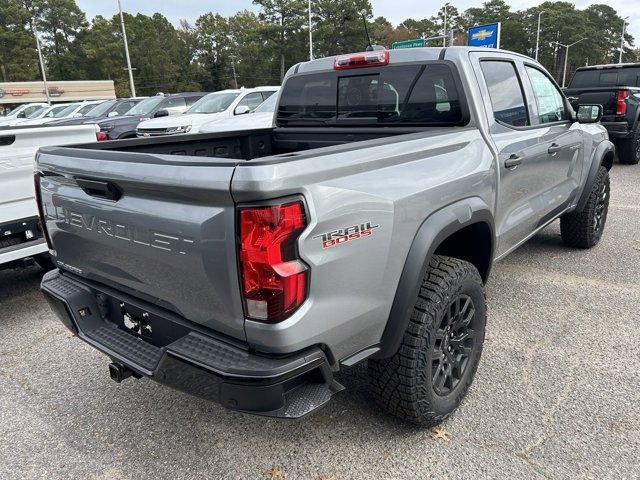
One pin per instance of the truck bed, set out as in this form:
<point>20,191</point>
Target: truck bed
<point>245,145</point>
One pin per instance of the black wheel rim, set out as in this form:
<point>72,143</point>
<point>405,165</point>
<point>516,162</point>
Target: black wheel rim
<point>600,210</point>
<point>454,344</point>
<point>636,141</point>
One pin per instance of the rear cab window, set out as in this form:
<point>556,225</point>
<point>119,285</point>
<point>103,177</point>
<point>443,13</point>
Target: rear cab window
<point>426,94</point>
<point>607,77</point>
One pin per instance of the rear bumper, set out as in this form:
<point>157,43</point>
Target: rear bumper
<point>279,386</point>
<point>27,237</point>
<point>617,130</point>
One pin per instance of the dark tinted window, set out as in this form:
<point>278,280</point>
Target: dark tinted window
<point>124,107</point>
<point>505,92</point>
<point>626,76</point>
<point>393,95</point>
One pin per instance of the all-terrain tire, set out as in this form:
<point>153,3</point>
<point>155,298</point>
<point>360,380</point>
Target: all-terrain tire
<point>629,149</point>
<point>584,229</point>
<point>408,384</point>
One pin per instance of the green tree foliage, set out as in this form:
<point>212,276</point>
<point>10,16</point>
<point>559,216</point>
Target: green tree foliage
<point>18,57</point>
<point>249,49</point>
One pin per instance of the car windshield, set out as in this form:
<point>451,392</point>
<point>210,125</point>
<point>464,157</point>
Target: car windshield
<point>269,105</point>
<point>100,109</point>
<point>213,103</point>
<point>65,112</point>
<point>36,113</point>
<point>145,107</point>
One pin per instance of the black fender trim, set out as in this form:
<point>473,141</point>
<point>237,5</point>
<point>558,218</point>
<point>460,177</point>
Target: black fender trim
<point>601,151</point>
<point>433,231</point>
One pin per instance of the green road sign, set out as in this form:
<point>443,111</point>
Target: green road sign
<point>409,44</point>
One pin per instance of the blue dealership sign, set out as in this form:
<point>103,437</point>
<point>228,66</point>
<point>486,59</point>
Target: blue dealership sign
<point>487,36</point>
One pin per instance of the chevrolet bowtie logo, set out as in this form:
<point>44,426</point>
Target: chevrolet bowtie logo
<point>482,34</point>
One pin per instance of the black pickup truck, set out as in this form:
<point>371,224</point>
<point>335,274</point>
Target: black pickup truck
<point>617,88</point>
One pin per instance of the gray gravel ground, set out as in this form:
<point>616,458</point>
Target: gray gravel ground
<point>556,394</point>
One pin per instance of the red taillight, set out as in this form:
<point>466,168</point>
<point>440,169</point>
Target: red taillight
<point>621,102</point>
<point>43,222</point>
<point>102,136</point>
<point>274,279</point>
<point>376,58</point>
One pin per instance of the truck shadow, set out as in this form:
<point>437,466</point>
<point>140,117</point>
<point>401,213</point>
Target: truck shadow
<point>19,281</point>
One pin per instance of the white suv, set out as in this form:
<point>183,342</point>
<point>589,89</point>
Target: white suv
<point>218,105</point>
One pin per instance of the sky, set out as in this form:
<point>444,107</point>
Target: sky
<point>394,10</point>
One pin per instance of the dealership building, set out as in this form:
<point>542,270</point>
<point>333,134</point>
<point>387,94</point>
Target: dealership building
<point>16,93</point>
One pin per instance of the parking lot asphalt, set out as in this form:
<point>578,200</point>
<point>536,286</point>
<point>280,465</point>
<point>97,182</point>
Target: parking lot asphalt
<point>556,395</point>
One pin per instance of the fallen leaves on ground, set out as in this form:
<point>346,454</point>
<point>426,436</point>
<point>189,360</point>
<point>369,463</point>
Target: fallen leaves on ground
<point>439,433</point>
<point>275,474</point>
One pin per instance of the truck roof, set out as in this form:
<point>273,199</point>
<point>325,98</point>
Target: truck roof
<point>608,65</point>
<point>402,55</point>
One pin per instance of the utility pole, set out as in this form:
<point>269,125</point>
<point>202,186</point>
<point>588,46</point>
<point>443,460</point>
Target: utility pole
<point>624,28</point>
<point>310,35</point>
<point>126,51</point>
<point>444,33</point>
<point>538,34</point>
<point>42,67</point>
<point>566,56</point>
<point>233,68</point>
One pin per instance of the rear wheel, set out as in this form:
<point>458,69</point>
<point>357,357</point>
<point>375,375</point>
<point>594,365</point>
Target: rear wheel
<point>427,378</point>
<point>629,150</point>
<point>584,229</point>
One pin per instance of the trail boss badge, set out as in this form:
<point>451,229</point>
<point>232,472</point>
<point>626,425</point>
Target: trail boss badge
<point>347,234</point>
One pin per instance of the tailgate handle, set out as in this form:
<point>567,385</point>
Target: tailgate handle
<point>97,188</point>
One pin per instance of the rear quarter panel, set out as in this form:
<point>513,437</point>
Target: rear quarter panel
<point>393,184</point>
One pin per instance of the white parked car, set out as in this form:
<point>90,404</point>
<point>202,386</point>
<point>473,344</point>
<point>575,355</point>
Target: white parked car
<point>21,113</point>
<point>224,104</point>
<point>261,117</point>
<point>58,112</point>
<point>20,235</point>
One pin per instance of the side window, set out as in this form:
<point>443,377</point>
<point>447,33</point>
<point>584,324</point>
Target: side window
<point>192,100</point>
<point>30,109</point>
<point>549,100</point>
<point>252,100</point>
<point>124,107</point>
<point>267,94</point>
<point>505,92</point>
<point>174,106</point>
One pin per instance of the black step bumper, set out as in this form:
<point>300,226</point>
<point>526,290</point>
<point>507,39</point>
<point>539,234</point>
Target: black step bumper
<point>284,386</point>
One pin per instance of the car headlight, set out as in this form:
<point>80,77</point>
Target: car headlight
<point>182,129</point>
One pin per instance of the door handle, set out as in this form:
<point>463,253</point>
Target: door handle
<point>513,161</point>
<point>554,148</point>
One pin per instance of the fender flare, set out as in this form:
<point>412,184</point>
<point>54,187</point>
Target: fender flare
<point>433,231</point>
<point>605,147</point>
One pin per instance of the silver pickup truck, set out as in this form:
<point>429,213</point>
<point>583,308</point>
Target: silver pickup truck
<point>248,268</point>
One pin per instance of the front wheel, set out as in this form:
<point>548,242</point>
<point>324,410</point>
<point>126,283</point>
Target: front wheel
<point>584,229</point>
<point>427,378</point>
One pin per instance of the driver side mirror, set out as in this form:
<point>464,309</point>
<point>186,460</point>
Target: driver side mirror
<point>161,113</point>
<point>112,114</point>
<point>589,113</point>
<point>22,115</point>
<point>241,110</point>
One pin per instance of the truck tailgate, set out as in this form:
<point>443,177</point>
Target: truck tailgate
<point>605,96</point>
<point>158,227</point>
